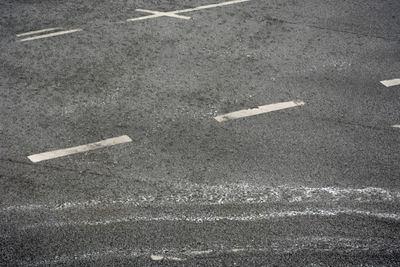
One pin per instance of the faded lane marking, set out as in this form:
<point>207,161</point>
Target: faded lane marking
<point>396,126</point>
<point>260,110</point>
<point>49,35</point>
<point>389,83</point>
<point>157,14</point>
<point>202,219</point>
<point>38,31</point>
<point>79,149</point>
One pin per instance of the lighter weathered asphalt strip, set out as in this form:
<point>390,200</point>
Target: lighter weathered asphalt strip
<point>79,149</point>
<point>259,110</point>
<point>389,83</point>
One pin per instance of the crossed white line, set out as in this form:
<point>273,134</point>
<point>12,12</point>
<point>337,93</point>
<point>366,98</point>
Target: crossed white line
<point>173,14</point>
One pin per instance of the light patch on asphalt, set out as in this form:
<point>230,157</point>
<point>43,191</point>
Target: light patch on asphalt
<point>202,219</point>
<point>256,111</point>
<point>38,31</point>
<point>200,194</point>
<point>277,245</point>
<point>49,35</point>
<point>389,83</point>
<point>396,126</point>
<point>79,149</point>
<point>157,14</point>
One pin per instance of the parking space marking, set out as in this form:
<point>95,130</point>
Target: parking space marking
<point>259,110</point>
<point>49,35</point>
<point>162,14</point>
<point>38,31</point>
<point>157,14</point>
<point>389,83</point>
<point>79,149</point>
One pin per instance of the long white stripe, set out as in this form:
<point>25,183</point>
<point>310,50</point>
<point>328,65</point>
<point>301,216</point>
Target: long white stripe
<point>389,83</point>
<point>211,6</point>
<point>39,31</point>
<point>79,149</point>
<point>172,13</point>
<point>49,35</point>
<point>167,14</point>
<point>259,110</point>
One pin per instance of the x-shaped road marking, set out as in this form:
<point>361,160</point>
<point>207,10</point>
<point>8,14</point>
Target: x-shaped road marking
<point>174,14</point>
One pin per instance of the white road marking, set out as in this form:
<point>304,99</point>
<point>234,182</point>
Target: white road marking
<point>389,83</point>
<point>39,31</point>
<point>259,110</point>
<point>156,257</point>
<point>200,252</point>
<point>396,126</point>
<point>157,14</point>
<point>162,14</point>
<point>49,35</point>
<point>79,149</point>
<point>211,6</point>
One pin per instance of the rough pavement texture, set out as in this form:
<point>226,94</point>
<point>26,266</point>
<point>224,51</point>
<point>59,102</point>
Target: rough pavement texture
<point>278,188</point>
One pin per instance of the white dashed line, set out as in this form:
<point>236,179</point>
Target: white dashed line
<point>49,35</point>
<point>79,149</point>
<point>157,14</point>
<point>259,110</point>
<point>389,83</point>
<point>39,31</point>
<point>396,126</point>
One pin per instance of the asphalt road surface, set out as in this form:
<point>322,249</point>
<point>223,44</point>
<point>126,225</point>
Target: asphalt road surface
<point>315,181</point>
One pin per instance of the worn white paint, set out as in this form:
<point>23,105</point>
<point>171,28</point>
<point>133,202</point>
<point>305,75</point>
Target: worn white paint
<point>78,149</point>
<point>259,110</point>
<point>49,35</point>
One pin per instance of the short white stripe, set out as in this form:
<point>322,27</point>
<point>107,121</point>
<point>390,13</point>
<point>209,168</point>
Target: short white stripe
<point>389,83</point>
<point>259,110</point>
<point>49,35</point>
<point>79,149</point>
<point>39,31</point>
<point>396,126</point>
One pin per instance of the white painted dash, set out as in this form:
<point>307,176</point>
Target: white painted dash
<point>396,126</point>
<point>49,35</point>
<point>389,83</point>
<point>38,31</point>
<point>79,149</point>
<point>259,110</point>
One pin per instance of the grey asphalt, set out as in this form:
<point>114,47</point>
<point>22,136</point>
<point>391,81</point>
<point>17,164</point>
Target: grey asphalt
<point>311,185</point>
